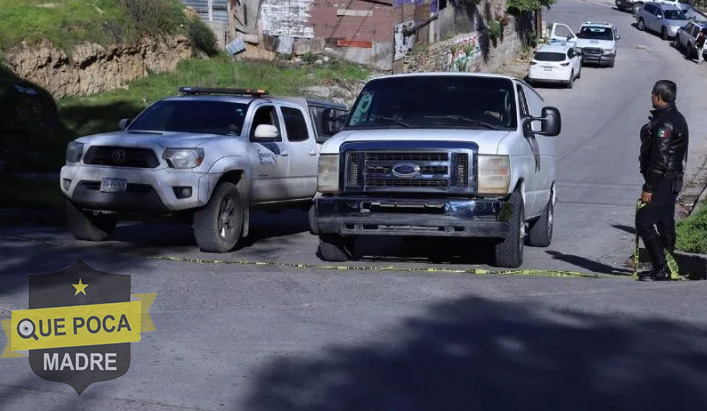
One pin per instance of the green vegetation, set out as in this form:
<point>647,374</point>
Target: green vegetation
<point>69,22</point>
<point>521,6</point>
<point>29,194</point>
<point>102,112</point>
<point>692,232</point>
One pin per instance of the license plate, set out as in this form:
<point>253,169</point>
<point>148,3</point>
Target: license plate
<point>548,68</point>
<point>114,185</point>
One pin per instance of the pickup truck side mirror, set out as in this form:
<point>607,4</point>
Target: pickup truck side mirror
<point>551,122</point>
<point>331,121</point>
<point>123,124</point>
<point>266,132</point>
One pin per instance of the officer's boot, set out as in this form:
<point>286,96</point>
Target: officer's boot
<point>660,271</point>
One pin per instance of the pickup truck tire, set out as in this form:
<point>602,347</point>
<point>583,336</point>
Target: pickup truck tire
<point>219,225</point>
<point>85,225</point>
<point>540,232</point>
<point>509,252</point>
<point>335,248</point>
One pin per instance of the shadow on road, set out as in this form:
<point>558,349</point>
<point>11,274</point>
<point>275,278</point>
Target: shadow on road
<point>474,354</point>
<point>587,264</point>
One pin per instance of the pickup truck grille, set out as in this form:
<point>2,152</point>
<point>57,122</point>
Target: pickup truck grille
<point>121,157</point>
<point>438,171</point>
<point>592,51</point>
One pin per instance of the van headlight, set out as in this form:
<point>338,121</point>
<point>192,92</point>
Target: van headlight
<point>328,173</point>
<point>494,174</point>
<point>608,52</point>
<point>184,157</point>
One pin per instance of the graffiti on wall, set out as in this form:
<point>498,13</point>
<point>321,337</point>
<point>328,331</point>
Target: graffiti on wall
<point>463,51</point>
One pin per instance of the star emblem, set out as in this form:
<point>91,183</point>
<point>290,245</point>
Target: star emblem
<point>80,288</point>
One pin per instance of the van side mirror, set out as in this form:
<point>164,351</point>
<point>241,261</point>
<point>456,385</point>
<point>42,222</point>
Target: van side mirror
<point>551,122</point>
<point>266,132</point>
<point>123,124</point>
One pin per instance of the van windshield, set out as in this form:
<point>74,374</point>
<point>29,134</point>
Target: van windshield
<point>438,101</point>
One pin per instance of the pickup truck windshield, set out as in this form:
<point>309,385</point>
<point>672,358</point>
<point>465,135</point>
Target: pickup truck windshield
<point>442,101</point>
<point>193,116</point>
<point>596,33</point>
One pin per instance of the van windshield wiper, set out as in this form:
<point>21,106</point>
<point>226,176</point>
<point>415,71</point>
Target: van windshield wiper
<point>394,120</point>
<point>466,120</point>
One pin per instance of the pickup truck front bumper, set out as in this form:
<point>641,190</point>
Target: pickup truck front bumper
<point>354,215</point>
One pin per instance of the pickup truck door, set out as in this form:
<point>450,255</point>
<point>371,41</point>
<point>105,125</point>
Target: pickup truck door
<point>269,159</point>
<point>303,152</point>
<point>562,32</point>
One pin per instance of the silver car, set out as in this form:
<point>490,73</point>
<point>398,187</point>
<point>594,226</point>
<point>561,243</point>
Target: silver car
<point>661,18</point>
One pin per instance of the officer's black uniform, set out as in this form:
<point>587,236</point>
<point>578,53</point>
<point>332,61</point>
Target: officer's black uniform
<point>663,149</point>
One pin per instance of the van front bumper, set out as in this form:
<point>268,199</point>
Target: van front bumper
<point>352,215</point>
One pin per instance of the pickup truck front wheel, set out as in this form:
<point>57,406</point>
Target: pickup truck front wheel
<point>87,226</point>
<point>218,226</point>
<point>509,252</point>
<point>335,248</point>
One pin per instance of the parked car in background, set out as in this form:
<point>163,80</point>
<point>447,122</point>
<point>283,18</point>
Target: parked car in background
<point>660,18</point>
<point>636,5</point>
<point>687,35</point>
<point>555,63</point>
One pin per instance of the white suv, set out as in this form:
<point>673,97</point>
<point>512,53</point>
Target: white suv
<point>210,156</point>
<point>555,63</point>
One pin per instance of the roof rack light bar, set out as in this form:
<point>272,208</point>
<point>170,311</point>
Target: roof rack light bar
<point>233,91</point>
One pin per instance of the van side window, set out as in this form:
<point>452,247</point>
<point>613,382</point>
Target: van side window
<point>295,124</point>
<point>266,115</point>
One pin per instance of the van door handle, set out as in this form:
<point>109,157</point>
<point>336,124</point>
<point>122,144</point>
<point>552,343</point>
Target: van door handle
<point>284,153</point>
<point>313,152</point>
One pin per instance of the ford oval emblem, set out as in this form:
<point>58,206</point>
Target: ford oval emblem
<point>406,170</point>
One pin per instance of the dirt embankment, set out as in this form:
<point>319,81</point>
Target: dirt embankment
<point>93,68</point>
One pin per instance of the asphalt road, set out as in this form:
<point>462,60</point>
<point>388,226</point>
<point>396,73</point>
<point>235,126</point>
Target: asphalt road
<point>244,337</point>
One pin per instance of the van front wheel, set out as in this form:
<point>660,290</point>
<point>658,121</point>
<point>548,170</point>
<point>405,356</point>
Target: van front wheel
<point>509,252</point>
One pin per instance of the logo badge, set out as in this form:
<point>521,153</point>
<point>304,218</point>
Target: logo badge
<point>406,170</point>
<point>118,156</point>
<point>79,326</point>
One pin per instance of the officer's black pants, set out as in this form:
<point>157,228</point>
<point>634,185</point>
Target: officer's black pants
<point>659,212</point>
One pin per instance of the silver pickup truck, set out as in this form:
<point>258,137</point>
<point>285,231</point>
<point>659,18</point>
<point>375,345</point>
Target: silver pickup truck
<point>440,155</point>
<point>209,156</point>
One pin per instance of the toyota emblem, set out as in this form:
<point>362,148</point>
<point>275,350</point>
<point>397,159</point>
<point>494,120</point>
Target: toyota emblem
<point>118,155</point>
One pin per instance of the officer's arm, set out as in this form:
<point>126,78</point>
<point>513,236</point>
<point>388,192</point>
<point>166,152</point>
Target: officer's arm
<point>658,163</point>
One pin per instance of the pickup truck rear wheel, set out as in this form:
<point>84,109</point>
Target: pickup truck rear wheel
<point>87,226</point>
<point>509,252</point>
<point>335,248</point>
<point>219,225</point>
<point>540,233</point>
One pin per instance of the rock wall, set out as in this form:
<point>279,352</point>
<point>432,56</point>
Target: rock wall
<point>469,52</point>
<point>93,68</point>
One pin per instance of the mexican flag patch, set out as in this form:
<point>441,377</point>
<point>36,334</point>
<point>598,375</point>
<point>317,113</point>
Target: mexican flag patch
<point>663,133</point>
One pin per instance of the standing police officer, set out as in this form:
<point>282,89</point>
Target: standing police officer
<point>663,149</point>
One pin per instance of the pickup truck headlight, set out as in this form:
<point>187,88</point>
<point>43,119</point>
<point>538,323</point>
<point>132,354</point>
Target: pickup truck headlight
<point>578,50</point>
<point>184,157</point>
<point>494,174</point>
<point>328,173</point>
<point>74,151</point>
